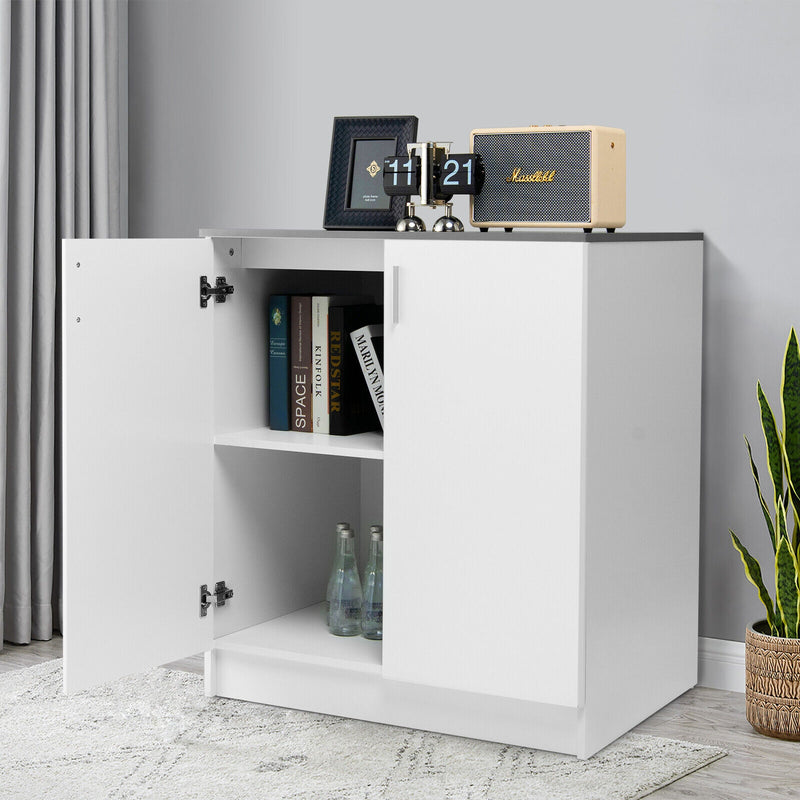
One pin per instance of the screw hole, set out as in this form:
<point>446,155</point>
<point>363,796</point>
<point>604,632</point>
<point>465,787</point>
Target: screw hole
<point>230,252</point>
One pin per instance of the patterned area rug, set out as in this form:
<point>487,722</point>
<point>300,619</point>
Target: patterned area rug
<point>155,735</point>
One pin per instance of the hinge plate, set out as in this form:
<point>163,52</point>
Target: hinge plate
<point>218,597</point>
<point>220,290</point>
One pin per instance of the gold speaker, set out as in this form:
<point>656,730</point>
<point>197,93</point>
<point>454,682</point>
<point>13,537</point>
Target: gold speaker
<point>560,176</point>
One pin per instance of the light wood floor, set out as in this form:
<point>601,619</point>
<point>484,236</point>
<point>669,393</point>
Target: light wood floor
<point>756,766</point>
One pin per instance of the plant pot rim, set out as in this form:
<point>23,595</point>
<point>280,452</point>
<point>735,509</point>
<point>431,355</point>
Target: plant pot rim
<point>761,628</point>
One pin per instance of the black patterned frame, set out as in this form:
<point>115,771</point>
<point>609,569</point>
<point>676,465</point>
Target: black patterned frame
<point>346,132</point>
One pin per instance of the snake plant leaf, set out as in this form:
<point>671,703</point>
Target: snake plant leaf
<point>764,509</point>
<point>791,500</point>
<point>781,515</point>
<point>774,454</point>
<point>790,400</point>
<point>795,534</point>
<point>786,586</point>
<point>753,572</point>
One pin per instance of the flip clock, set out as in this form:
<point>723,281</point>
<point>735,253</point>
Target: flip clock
<point>435,174</point>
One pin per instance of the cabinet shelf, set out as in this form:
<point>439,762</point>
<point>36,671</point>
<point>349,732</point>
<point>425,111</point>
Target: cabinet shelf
<point>302,636</point>
<point>361,445</point>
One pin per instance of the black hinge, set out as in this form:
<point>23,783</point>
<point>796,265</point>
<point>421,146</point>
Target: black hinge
<point>220,291</point>
<point>218,597</point>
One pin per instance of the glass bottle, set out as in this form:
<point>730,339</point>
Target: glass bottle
<point>372,615</point>
<point>344,587</point>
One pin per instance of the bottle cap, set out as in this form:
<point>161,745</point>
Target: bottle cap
<point>342,526</point>
<point>376,533</point>
<point>345,533</point>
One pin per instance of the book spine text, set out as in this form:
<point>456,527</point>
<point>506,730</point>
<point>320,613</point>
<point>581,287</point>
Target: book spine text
<point>319,363</point>
<point>301,379</point>
<point>364,343</point>
<point>278,366</point>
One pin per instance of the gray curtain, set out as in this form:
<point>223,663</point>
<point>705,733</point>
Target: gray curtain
<point>59,178</point>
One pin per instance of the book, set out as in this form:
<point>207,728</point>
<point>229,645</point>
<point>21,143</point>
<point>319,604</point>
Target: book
<point>351,407</point>
<point>319,363</point>
<point>320,371</point>
<point>368,344</point>
<point>300,359</point>
<point>278,363</point>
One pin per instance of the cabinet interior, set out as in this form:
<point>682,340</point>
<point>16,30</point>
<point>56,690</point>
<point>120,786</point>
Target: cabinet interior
<point>278,495</point>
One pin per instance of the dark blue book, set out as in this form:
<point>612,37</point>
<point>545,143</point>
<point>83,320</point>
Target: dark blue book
<point>279,362</point>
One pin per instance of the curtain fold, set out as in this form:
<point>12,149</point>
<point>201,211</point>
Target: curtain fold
<point>59,178</point>
<point>5,118</point>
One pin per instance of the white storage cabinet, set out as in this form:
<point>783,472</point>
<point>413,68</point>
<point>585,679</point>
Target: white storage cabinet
<point>538,477</point>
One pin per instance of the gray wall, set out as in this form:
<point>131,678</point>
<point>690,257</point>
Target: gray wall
<point>231,106</point>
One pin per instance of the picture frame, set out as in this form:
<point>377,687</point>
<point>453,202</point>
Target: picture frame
<point>355,198</point>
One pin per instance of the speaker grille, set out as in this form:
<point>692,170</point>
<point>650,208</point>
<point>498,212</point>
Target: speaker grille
<point>567,198</point>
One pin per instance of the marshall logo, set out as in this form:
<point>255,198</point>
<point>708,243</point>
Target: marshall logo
<point>536,177</point>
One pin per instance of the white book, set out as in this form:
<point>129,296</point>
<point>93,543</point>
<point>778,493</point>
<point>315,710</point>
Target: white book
<point>364,342</point>
<point>319,363</point>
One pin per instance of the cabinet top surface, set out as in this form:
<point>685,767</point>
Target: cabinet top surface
<point>476,236</point>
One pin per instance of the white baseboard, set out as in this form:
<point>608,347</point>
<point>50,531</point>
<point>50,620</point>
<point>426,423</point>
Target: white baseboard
<point>720,664</point>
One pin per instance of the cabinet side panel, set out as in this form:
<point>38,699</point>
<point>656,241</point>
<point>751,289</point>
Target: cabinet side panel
<point>642,480</point>
<point>136,446</point>
<point>240,344</point>
<point>482,467</point>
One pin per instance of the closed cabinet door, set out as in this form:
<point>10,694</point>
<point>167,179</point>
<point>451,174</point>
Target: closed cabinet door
<point>137,400</point>
<point>483,443</point>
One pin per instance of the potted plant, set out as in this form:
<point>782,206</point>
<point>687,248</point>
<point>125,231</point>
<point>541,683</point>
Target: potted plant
<point>772,646</point>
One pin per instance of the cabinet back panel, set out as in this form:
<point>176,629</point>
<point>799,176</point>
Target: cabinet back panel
<point>371,503</point>
<point>240,335</point>
<point>275,514</point>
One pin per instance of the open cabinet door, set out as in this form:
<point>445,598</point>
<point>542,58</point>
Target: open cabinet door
<point>137,404</point>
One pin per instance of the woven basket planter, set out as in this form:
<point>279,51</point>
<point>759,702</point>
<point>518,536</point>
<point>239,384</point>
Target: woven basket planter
<point>772,683</point>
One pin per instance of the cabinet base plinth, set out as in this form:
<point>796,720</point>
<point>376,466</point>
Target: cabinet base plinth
<point>370,697</point>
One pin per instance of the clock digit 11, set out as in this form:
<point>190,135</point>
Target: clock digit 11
<point>459,174</point>
<point>401,175</point>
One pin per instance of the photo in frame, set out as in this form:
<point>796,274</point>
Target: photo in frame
<point>355,198</point>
